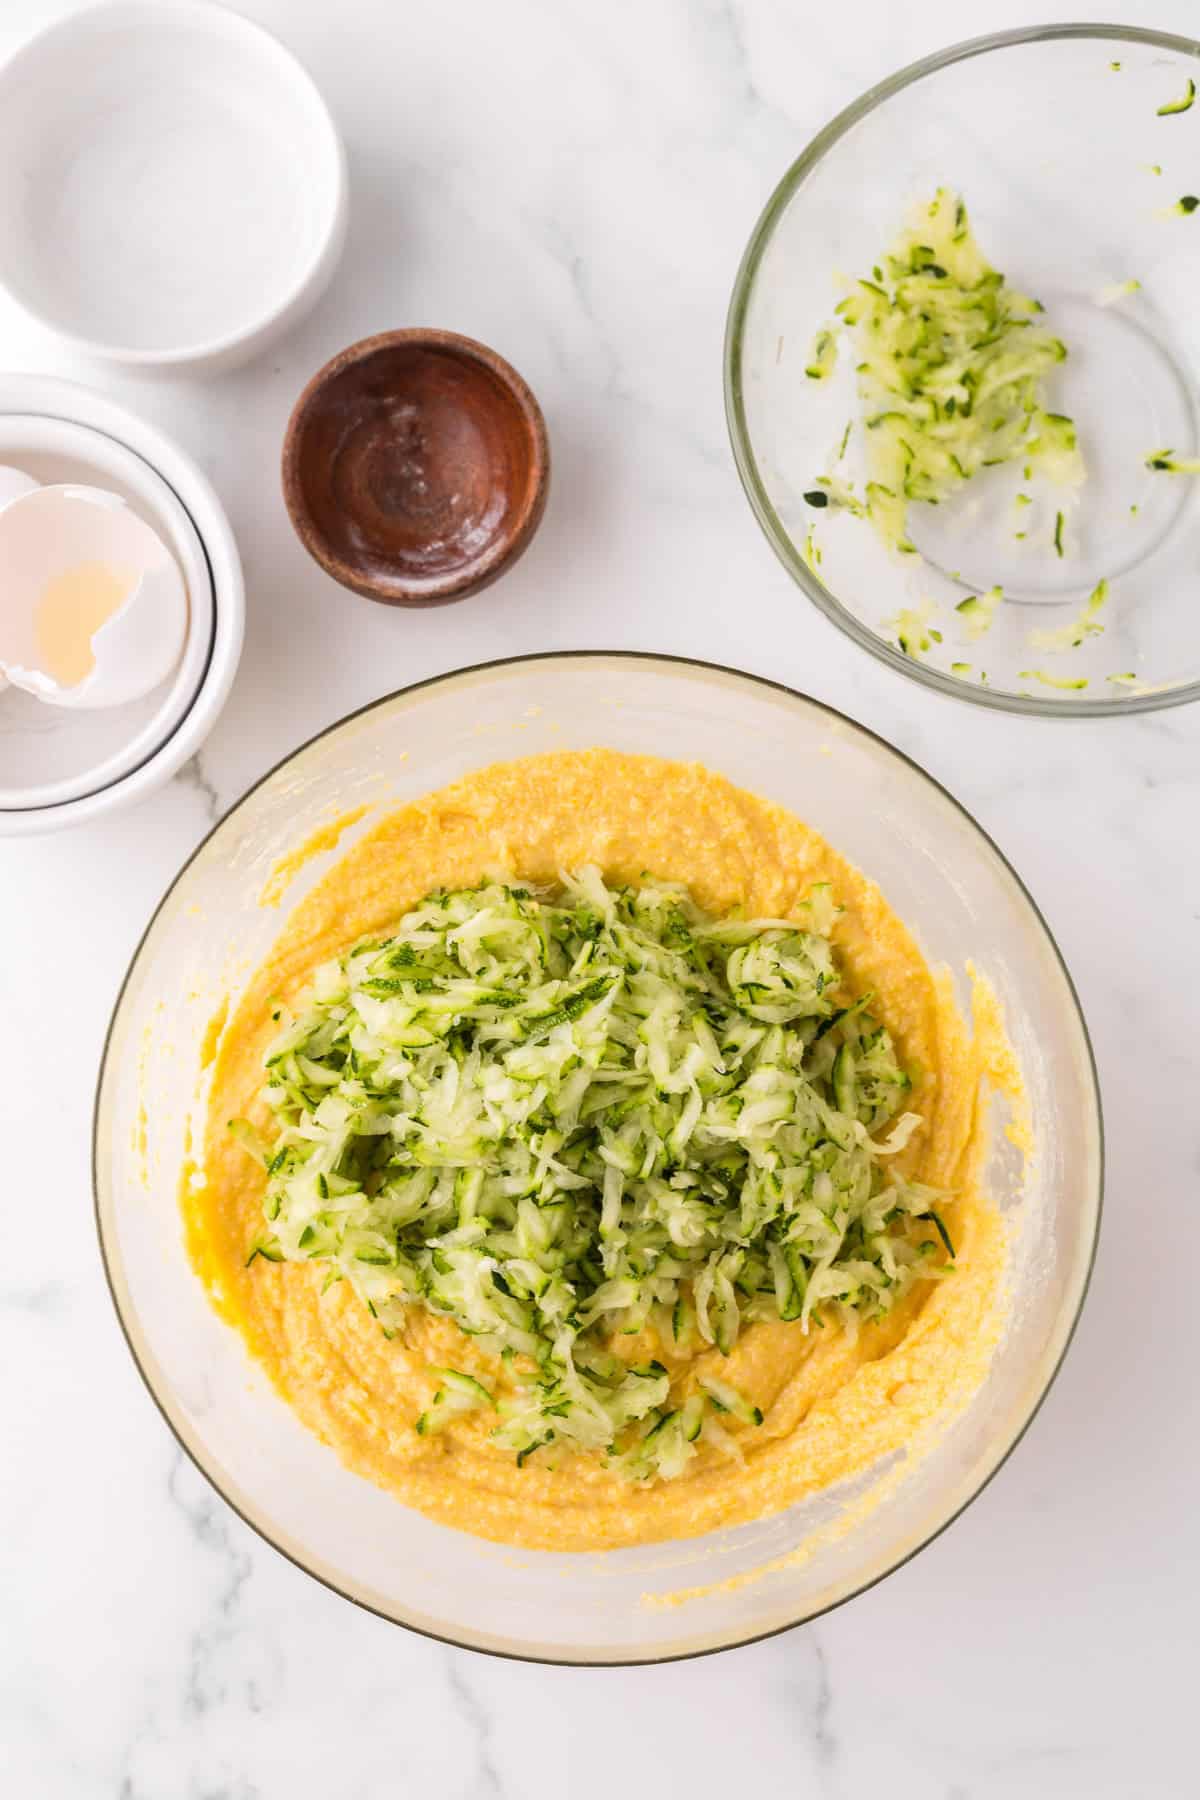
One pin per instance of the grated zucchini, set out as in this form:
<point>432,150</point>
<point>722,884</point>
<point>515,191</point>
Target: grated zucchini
<point>596,1119</point>
<point>979,610</point>
<point>1166,462</point>
<point>1182,105</point>
<point>951,369</point>
<point>1086,624</point>
<point>1067,682</point>
<point>914,632</point>
<point>822,358</point>
<point>457,1393</point>
<point>1118,290</point>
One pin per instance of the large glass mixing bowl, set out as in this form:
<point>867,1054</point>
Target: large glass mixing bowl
<point>1077,151</point>
<point>943,876</point>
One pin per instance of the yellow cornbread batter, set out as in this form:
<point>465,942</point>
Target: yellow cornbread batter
<point>834,1404</point>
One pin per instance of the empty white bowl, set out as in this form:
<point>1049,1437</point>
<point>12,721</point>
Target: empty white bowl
<point>60,767</point>
<point>172,186</point>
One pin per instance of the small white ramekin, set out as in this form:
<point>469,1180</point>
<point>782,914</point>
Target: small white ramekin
<point>172,184</point>
<point>82,423</point>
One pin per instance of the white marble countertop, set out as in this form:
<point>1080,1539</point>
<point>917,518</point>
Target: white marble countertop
<point>574,183</point>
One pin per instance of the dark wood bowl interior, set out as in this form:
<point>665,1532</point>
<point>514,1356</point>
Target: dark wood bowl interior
<point>415,467</point>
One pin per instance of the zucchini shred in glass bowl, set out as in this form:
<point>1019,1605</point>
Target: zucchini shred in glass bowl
<point>653,1601</point>
<point>1061,591</point>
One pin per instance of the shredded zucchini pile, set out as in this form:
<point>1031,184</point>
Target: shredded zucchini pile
<point>588,1124</point>
<point>951,366</point>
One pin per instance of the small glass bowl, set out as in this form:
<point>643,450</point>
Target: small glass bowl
<point>1073,173</point>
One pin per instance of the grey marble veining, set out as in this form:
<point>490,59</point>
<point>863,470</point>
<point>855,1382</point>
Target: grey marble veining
<point>575,184</point>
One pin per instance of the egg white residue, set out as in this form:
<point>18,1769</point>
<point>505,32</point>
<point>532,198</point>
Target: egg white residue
<point>93,607</point>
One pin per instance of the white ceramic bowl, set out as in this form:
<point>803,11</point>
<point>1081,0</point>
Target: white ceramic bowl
<point>59,767</point>
<point>172,186</point>
<point>50,754</point>
<point>944,877</point>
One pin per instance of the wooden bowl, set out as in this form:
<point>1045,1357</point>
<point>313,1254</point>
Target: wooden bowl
<point>416,467</point>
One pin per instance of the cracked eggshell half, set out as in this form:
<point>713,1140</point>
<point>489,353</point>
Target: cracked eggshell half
<point>93,607</point>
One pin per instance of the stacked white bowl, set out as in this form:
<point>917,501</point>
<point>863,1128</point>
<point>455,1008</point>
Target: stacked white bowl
<point>172,195</point>
<point>60,766</point>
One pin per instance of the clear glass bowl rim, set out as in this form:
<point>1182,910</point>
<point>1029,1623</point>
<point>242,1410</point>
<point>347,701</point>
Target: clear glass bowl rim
<point>1031,705</point>
<point>129,1329</point>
